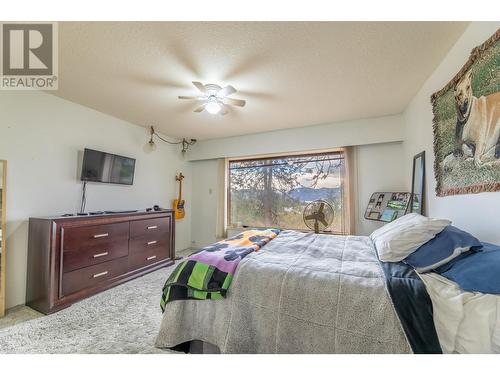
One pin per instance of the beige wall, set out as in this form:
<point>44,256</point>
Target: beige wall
<point>205,188</point>
<point>380,167</point>
<point>40,136</point>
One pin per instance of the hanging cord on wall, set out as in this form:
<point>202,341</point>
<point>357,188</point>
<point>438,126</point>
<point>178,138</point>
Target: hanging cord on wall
<point>84,197</point>
<point>153,132</point>
<point>184,142</point>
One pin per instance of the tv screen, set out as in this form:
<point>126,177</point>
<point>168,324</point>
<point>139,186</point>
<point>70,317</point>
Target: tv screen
<point>108,168</point>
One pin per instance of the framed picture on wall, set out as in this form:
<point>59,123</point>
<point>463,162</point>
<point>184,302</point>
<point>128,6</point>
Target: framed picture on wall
<point>418,184</point>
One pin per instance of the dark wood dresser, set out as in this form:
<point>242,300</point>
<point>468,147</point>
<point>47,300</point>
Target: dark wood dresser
<point>70,258</point>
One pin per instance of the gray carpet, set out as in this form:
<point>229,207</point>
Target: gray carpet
<point>124,319</point>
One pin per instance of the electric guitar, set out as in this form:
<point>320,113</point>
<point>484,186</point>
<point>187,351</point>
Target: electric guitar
<point>178,204</point>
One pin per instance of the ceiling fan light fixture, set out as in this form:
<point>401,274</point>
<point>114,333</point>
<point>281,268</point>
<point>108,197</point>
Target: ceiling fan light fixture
<point>213,107</point>
<point>214,99</point>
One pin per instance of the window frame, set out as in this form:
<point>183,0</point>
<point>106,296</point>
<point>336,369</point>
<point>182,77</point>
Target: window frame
<point>346,190</point>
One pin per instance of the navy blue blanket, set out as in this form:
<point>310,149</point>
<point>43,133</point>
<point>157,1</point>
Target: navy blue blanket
<point>476,271</point>
<point>413,306</point>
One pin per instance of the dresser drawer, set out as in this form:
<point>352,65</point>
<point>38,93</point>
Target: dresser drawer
<point>149,226</point>
<point>145,243</point>
<point>90,276</point>
<point>78,237</point>
<point>147,257</point>
<point>94,254</point>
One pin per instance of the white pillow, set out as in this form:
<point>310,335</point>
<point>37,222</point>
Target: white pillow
<point>398,239</point>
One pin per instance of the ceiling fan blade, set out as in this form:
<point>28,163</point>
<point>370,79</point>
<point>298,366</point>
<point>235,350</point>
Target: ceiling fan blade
<point>200,86</point>
<point>187,97</point>
<point>321,208</point>
<point>316,227</point>
<point>311,217</point>
<point>226,91</point>
<point>200,108</point>
<point>223,110</point>
<point>236,102</point>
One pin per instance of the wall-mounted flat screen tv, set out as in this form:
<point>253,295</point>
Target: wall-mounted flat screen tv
<point>108,168</point>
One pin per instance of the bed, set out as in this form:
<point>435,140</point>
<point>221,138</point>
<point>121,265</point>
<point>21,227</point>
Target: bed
<point>310,293</point>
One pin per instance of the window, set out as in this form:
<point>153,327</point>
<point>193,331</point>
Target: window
<point>274,191</point>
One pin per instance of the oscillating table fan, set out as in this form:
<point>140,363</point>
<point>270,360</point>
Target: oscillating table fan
<point>318,215</point>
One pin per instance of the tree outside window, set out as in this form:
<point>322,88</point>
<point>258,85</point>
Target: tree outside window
<point>273,192</point>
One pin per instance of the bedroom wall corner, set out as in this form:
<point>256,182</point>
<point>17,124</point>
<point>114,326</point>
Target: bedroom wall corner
<point>206,188</point>
<point>475,213</point>
<point>379,167</point>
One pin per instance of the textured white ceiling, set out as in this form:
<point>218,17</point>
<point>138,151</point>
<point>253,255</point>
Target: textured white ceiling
<point>292,74</point>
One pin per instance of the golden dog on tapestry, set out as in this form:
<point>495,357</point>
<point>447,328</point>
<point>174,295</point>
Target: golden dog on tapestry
<point>467,125</point>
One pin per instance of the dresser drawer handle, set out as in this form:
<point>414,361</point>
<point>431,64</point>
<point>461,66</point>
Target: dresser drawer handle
<point>153,227</point>
<point>100,274</point>
<point>101,235</point>
<point>151,242</point>
<point>151,257</point>
<point>101,254</point>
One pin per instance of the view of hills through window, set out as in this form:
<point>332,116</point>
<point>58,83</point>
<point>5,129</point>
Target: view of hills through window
<point>273,192</point>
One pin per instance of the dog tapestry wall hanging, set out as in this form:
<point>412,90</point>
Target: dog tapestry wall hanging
<point>467,125</point>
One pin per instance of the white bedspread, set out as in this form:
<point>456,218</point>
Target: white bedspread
<point>465,322</point>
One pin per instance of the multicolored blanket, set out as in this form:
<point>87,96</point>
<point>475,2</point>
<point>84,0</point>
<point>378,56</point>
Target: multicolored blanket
<point>207,273</point>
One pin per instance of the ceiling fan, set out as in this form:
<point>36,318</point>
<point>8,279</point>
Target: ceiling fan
<point>214,98</point>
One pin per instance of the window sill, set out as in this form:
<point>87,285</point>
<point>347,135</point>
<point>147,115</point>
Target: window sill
<point>236,230</point>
